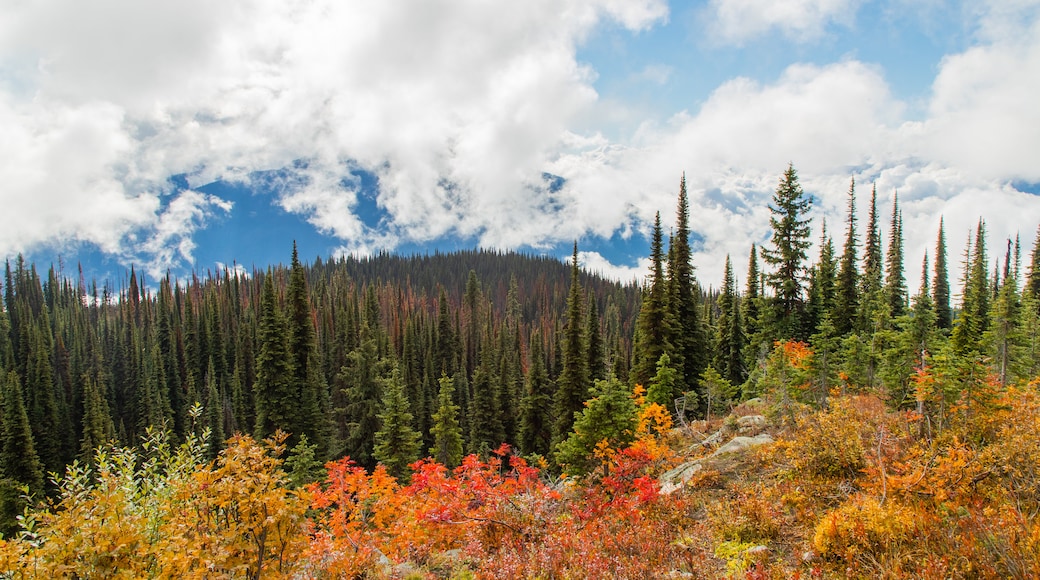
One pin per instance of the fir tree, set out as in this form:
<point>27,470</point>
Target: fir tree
<point>397,444</point>
<point>729,337</point>
<point>846,301</point>
<point>653,327</point>
<point>973,320</point>
<point>790,240</point>
<point>19,460</point>
<point>690,335</point>
<point>597,364</point>
<point>895,281</point>
<point>662,386</point>
<point>536,408</point>
<point>609,416</point>
<point>573,382</point>
<point>447,434</point>
<point>276,399</point>
<point>871,284</point>
<point>941,284</point>
<point>485,414</point>
<point>822,282</point>
<point>311,409</point>
<point>752,297</point>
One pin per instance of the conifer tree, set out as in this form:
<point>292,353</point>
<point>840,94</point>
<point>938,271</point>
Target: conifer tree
<point>653,327</point>
<point>97,422</point>
<point>311,410</point>
<point>609,416</point>
<point>689,335</point>
<point>358,421</point>
<point>752,297</point>
<point>790,240</point>
<point>213,417</point>
<point>973,320</point>
<point>537,422</point>
<point>447,434</point>
<point>822,283</point>
<point>597,364</point>
<point>573,382</point>
<point>871,284</point>
<point>662,386</point>
<point>941,284</point>
<point>846,300</point>
<point>895,281</point>
<point>1032,285</point>
<point>19,460</point>
<point>397,444</point>
<point>485,412</point>
<point>729,337</point>
<point>276,398</point>
<point>1006,319</point>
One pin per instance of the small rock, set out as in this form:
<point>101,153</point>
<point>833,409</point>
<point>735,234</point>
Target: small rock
<point>738,444</point>
<point>750,423</point>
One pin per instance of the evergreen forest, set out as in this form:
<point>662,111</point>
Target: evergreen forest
<point>490,414</point>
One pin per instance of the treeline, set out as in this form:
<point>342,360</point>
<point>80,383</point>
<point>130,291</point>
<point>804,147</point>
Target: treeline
<point>465,342</point>
<point>850,307</point>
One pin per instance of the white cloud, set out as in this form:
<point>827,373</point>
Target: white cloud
<point>594,262</point>
<point>737,21</point>
<point>456,106</point>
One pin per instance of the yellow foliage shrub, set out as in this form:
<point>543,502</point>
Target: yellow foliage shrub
<point>864,526</point>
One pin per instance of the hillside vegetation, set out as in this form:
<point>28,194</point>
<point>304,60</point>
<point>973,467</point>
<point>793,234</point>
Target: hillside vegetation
<point>504,416</point>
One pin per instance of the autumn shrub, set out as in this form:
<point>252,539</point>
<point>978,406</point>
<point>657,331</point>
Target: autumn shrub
<point>830,443</point>
<point>159,511</point>
<point>865,530</point>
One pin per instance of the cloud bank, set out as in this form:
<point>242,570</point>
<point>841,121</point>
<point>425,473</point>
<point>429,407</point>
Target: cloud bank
<point>460,108</point>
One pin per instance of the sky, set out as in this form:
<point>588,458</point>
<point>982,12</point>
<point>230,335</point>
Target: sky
<point>195,134</point>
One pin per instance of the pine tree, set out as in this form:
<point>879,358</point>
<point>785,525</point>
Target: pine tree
<point>276,399</point>
<point>941,284</point>
<point>573,382</point>
<point>447,434</point>
<point>790,240</point>
<point>18,458</point>
<point>397,444</point>
<point>1006,318</point>
<point>895,281</point>
<point>537,424</point>
<point>846,301</point>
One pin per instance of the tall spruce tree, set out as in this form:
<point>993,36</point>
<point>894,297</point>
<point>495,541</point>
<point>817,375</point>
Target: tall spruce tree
<point>311,410</point>
<point>729,337</point>
<point>573,383</point>
<point>973,320</point>
<point>654,325</point>
<point>895,280</point>
<point>787,255</point>
<point>690,334</point>
<point>871,284</point>
<point>752,313</point>
<point>846,300</point>
<point>1032,286</point>
<point>822,282</point>
<point>941,284</point>
<point>536,426</point>
<point>18,458</point>
<point>276,398</point>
